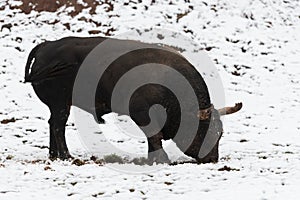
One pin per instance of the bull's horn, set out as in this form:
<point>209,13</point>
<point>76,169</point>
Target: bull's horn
<point>230,110</point>
<point>204,113</point>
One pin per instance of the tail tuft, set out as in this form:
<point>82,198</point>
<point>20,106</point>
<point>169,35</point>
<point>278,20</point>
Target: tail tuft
<point>31,56</point>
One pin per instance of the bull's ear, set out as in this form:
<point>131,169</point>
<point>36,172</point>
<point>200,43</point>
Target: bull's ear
<point>230,110</point>
<point>204,114</point>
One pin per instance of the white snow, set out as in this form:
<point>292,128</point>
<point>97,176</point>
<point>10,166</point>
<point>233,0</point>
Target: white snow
<point>262,141</point>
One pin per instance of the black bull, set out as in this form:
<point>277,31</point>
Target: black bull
<point>53,74</point>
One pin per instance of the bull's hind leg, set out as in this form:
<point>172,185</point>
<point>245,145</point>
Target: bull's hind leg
<point>58,147</point>
<point>53,152</point>
<point>156,152</point>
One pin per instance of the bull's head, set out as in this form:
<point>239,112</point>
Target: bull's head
<point>205,146</point>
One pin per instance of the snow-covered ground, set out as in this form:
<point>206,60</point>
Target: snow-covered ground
<point>253,44</point>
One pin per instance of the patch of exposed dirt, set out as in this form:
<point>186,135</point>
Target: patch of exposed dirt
<point>27,6</point>
<point>6,121</point>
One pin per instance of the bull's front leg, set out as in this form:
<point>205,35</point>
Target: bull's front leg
<point>156,152</point>
<point>58,147</point>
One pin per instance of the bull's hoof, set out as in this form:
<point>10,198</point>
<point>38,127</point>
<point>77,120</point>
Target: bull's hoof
<point>52,158</point>
<point>53,155</point>
<point>66,156</point>
<point>208,160</point>
<point>101,121</point>
<point>158,156</point>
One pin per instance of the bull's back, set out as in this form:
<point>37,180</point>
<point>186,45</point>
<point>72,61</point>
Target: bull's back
<point>61,57</point>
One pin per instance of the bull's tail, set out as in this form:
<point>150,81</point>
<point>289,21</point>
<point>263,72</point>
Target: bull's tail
<point>29,61</point>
